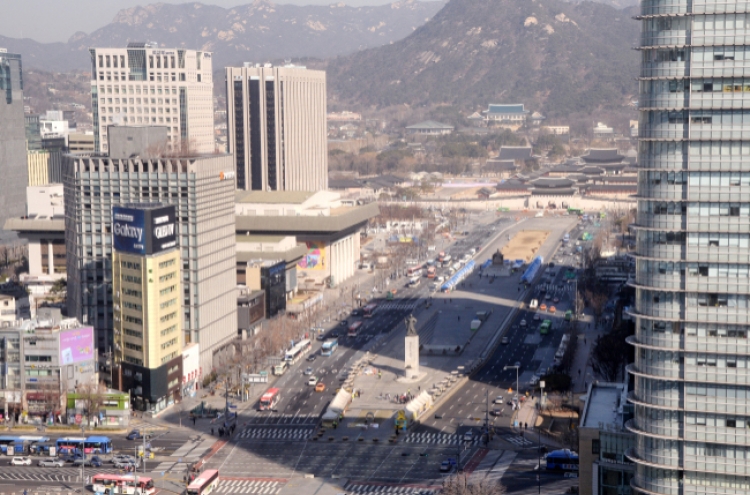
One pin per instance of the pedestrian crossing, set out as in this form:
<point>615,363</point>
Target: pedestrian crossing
<point>66,474</point>
<point>263,418</point>
<point>398,306</point>
<point>269,487</point>
<point>276,433</point>
<point>518,440</point>
<point>439,438</point>
<point>354,487</point>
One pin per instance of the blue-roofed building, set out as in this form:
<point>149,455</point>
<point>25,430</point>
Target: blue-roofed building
<point>506,114</point>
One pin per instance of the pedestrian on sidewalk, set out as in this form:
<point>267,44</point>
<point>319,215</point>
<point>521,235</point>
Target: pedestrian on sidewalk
<point>212,431</point>
<point>584,341</point>
<point>193,420</point>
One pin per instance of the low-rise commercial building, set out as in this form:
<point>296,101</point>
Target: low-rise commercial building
<point>603,439</point>
<point>330,231</point>
<point>43,359</point>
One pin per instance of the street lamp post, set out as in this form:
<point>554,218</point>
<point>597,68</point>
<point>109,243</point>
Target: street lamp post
<point>539,436</point>
<point>83,461</point>
<point>516,367</point>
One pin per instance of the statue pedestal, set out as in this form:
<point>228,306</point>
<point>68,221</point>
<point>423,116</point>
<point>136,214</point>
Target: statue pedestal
<point>411,356</point>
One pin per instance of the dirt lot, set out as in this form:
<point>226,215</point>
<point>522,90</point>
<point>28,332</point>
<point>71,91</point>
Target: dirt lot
<point>524,245</point>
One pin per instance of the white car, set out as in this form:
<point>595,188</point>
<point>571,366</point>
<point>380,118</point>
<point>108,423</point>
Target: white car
<point>20,461</point>
<point>469,436</point>
<point>498,399</point>
<point>312,381</point>
<point>523,323</point>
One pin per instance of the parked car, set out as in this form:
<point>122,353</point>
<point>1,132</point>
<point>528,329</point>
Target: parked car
<point>20,461</point>
<point>51,463</point>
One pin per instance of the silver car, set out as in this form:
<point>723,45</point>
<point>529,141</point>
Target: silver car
<point>51,463</point>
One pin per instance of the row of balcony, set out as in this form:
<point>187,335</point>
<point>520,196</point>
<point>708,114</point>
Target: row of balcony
<point>695,101</point>
<point>681,69</point>
<point>683,192</point>
<point>676,430</point>
<point>703,131</point>
<point>673,311</point>
<point>677,342</point>
<point>672,400</point>
<point>707,254</point>
<point>661,7</point>
<point>679,162</point>
<point>676,281</point>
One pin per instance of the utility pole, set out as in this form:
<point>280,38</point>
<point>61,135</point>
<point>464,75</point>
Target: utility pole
<point>539,436</point>
<point>83,462</point>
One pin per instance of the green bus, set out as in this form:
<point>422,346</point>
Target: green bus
<point>545,327</point>
<point>575,211</point>
<point>568,315</point>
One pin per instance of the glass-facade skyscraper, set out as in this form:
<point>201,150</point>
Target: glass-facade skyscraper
<point>692,362</point>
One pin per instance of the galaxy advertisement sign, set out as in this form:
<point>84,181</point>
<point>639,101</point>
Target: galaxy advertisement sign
<point>148,229</point>
<point>77,345</point>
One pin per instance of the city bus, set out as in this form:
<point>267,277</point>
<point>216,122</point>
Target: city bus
<point>300,349</point>
<point>280,369</point>
<point>130,484</point>
<point>369,310</point>
<point>269,400</point>
<point>329,347</point>
<point>447,260</point>
<point>562,460</point>
<point>414,270</point>
<point>67,445</point>
<point>21,444</point>
<point>545,327</point>
<point>575,211</point>
<point>97,445</point>
<point>354,329</point>
<point>205,483</point>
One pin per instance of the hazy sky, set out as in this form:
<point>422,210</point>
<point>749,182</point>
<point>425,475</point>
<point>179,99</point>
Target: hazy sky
<point>57,20</point>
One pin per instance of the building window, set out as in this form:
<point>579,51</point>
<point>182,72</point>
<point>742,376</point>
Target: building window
<point>595,446</point>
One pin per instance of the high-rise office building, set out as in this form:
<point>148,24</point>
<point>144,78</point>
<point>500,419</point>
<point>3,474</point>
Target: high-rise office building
<point>13,168</point>
<point>276,127</point>
<point>692,353</point>
<point>147,85</point>
<point>146,300</point>
<point>204,198</point>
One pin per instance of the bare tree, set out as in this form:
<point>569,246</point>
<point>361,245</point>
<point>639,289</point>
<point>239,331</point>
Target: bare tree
<point>92,396</point>
<point>459,485</point>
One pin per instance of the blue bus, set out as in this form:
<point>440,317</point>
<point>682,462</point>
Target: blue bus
<point>562,460</point>
<point>21,444</point>
<point>97,445</point>
<point>329,347</point>
<point>69,445</point>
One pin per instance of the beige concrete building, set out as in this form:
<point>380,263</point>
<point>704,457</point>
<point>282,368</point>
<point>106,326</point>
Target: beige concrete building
<point>45,167</point>
<point>80,143</point>
<point>276,127</point>
<point>144,84</point>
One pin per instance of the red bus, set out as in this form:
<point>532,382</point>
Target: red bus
<point>354,328</point>
<point>368,310</point>
<point>414,270</point>
<point>122,484</point>
<point>205,483</point>
<point>431,272</point>
<point>269,400</point>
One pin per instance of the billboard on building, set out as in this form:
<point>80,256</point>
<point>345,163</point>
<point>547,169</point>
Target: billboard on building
<point>76,345</point>
<point>315,258</point>
<point>144,229</point>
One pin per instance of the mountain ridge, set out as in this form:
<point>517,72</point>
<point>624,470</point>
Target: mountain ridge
<point>554,56</point>
<point>255,32</point>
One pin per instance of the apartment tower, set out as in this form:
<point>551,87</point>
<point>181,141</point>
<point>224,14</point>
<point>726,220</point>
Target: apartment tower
<point>692,361</point>
<point>146,301</point>
<point>12,141</point>
<point>276,126</point>
<point>147,85</point>
<point>204,202</point>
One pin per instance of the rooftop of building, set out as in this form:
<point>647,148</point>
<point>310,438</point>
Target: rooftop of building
<point>340,219</point>
<point>514,153</point>
<point>514,108</point>
<point>603,404</point>
<point>273,197</point>
<point>260,238</point>
<point>36,223</point>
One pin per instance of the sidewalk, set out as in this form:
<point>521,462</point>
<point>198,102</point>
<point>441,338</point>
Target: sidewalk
<point>587,334</point>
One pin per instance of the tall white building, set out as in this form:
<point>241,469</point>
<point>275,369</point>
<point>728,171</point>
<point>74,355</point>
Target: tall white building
<point>276,127</point>
<point>692,342</point>
<point>147,85</point>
